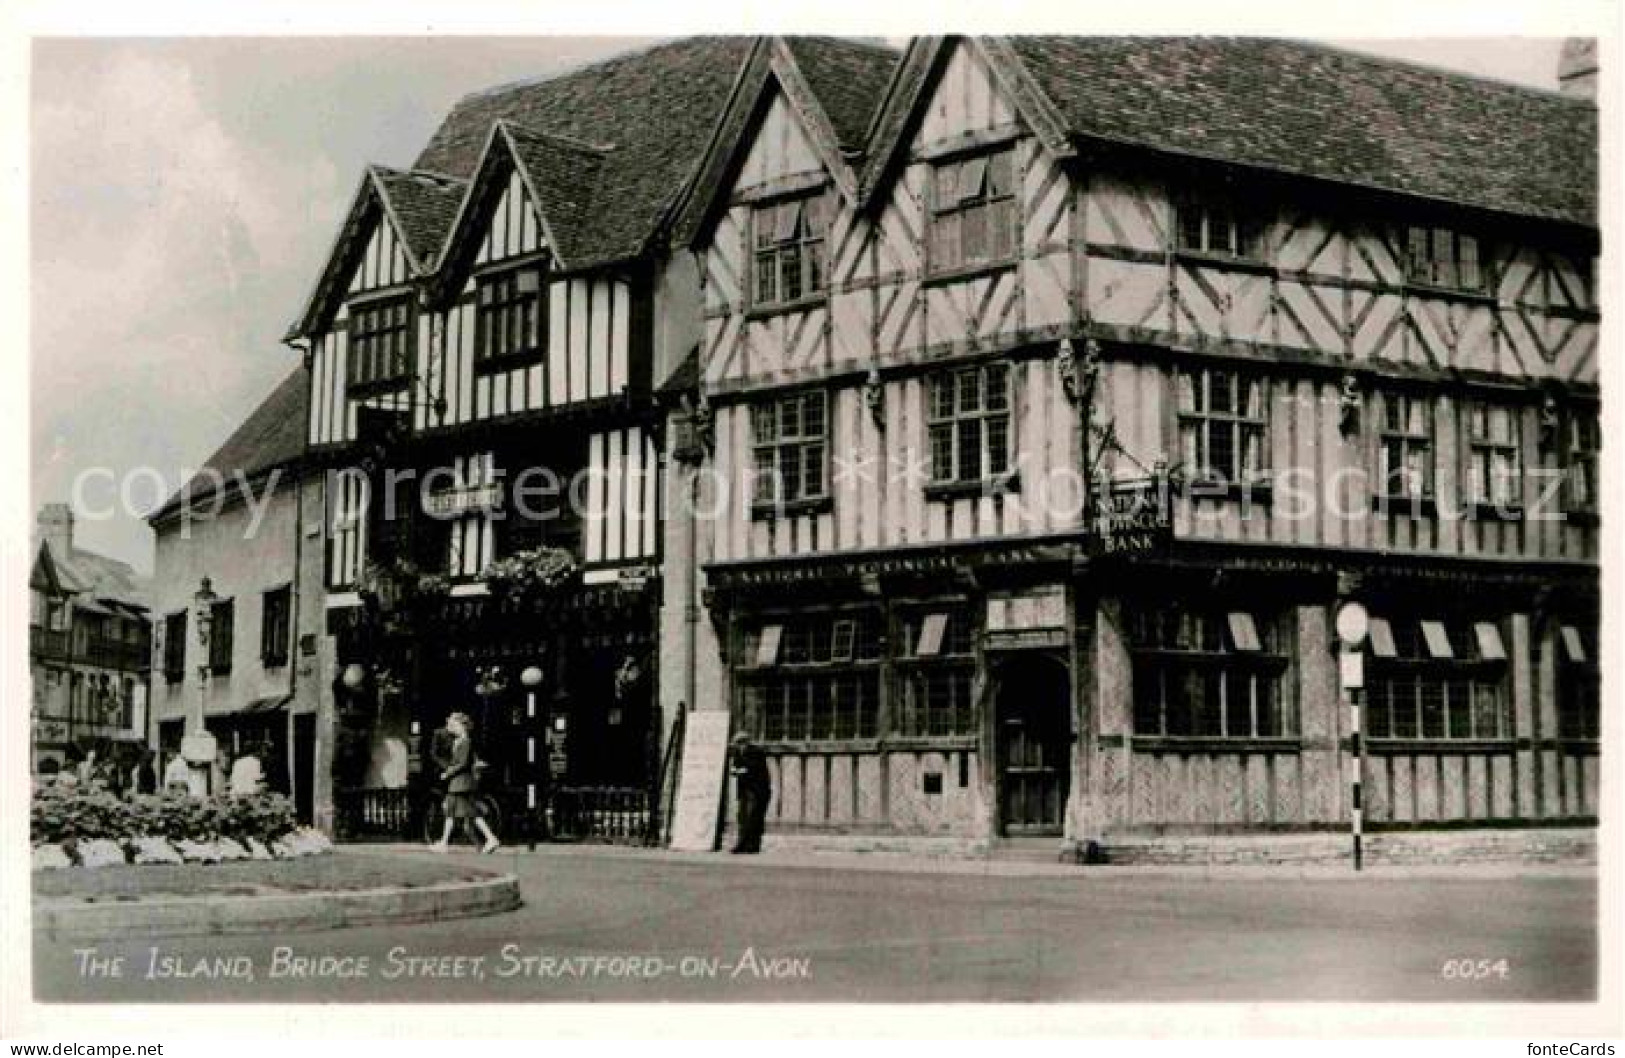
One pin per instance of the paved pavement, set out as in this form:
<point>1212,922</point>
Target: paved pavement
<point>641,926</point>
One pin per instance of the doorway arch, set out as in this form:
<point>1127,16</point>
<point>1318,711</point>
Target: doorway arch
<point>1032,742</point>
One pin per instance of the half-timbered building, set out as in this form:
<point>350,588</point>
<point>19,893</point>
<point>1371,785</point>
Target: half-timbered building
<point>1052,394</point>
<point>485,344</point>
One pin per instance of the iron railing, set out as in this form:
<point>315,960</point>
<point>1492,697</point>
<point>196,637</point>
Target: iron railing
<point>394,814</point>
<point>614,814</point>
<point>610,814</point>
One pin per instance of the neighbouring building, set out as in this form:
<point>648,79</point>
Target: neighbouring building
<point>1056,392</point>
<point>486,344</point>
<point>87,645</point>
<point>237,571</point>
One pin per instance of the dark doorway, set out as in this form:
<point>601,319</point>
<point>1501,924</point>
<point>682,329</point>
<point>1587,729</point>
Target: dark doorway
<point>304,766</point>
<point>1034,743</point>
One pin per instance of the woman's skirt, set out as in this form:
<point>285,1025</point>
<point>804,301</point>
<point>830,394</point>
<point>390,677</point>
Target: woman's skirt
<point>459,806</point>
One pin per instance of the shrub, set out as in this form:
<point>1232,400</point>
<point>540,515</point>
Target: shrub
<point>63,813</point>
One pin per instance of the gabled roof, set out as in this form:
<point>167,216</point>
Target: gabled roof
<point>97,577</point>
<point>834,86</point>
<point>1293,108</point>
<point>562,175</point>
<point>273,436</point>
<point>651,111</point>
<point>420,206</point>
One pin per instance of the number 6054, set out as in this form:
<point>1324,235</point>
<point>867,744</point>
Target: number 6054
<point>1470,969</point>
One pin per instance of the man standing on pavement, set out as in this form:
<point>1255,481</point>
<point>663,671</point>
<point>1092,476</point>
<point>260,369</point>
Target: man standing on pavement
<point>753,789</point>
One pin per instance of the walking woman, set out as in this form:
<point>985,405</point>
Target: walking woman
<point>461,783</point>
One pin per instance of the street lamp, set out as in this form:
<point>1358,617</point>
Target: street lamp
<point>531,678</point>
<point>198,747</point>
<point>354,676</point>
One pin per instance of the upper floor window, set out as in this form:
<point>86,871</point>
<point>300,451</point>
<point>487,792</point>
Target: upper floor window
<point>346,539</point>
<point>1494,456</point>
<point>175,647</point>
<point>1222,421</point>
<point>475,493</point>
<point>974,217</point>
<point>790,249</point>
<point>791,445</point>
<point>381,341</point>
<point>221,617</point>
<point>969,424</point>
<point>1405,447</point>
<point>1445,258</point>
<point>1433,678</point>
<point>1221,227</point>
<point>1583,433</point>
<point>1208,673</point>
<point>276,614</point>
<point>509,323</point>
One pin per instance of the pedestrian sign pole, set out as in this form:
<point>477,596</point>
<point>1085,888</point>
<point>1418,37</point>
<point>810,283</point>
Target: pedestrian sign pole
<point>1353,623</point>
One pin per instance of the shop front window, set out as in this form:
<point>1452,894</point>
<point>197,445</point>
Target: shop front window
<point>813,677</point>
<point>936,672</point>
<point>1437,679</point>
<point>1209,674</point>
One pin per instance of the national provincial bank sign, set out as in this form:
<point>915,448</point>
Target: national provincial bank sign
<point>1132,517</point>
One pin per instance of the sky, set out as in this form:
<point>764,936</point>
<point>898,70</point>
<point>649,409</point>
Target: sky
<point>184,196</point>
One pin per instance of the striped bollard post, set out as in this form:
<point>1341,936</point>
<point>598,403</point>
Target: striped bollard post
<point>1353,623</point>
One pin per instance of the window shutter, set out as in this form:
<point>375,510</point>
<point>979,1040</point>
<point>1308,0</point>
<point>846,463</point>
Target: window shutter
<point>789,220</point>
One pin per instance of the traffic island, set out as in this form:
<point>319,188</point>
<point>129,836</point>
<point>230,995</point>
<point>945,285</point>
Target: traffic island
<point>319,892</point>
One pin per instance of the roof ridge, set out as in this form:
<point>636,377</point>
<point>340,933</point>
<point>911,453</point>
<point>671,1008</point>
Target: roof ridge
<point>571,71</point>
<point>557,137</point>
<point>1439,72</point>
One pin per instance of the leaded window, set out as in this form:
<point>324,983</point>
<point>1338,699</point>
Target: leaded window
<point>969,424</point>
<point>1435,678</point>
<point>1494,456</point>
<point>812,677</point>
<point>1209,673</point>
<point>790,249</point>
<point>1220,227</point>
<point>1222,422</point>
<point>936,672</point>
<point>1405,447</point>
<point>381,341</point>
<point>974,218</point>
<point>791,448</point>
<point>1579,683</point>
<point>1584,436</point>
<point>510,323</point>
<point>1444,258</point>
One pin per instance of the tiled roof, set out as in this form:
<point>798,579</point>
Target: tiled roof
<point>564,175</point>
<point>1324,113</point>
<point>424,204</point>
<point>97,576</point>
<point>652,110</point>
<point>272,436</point>
<point>848,77</point>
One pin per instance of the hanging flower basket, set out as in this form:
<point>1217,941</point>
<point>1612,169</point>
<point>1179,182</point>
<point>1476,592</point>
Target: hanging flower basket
<point>531,574</point>
<point>400,586</point>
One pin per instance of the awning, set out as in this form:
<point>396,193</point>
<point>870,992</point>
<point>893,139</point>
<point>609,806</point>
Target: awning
<point>258,707</point>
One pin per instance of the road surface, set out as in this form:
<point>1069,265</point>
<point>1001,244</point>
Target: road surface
<point>607,926</point>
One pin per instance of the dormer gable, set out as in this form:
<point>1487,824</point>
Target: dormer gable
<point>801,110</point>
<point>531,191</point>
<point>391,235</point>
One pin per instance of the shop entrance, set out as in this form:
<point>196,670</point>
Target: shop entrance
<point>1033,742</point>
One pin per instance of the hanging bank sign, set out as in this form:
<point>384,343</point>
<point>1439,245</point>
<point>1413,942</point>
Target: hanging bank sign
<point>1133,517</point>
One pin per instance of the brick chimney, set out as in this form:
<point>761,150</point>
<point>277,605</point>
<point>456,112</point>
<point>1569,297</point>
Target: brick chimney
<point>56,527</point>
<point>1577,68</point>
